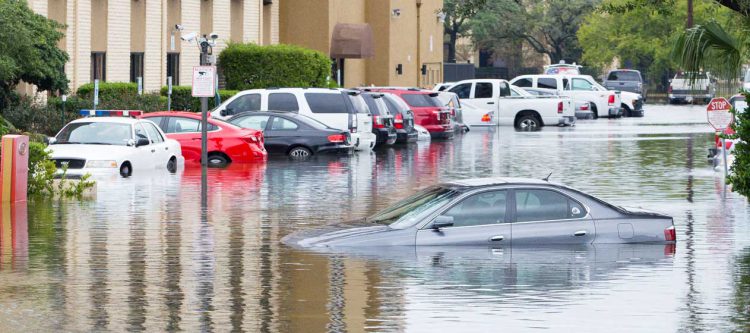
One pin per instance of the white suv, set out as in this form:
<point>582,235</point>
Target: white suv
<point>338,108</point>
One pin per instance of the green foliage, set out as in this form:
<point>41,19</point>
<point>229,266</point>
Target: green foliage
<point>740,175</point>
<point>457,13</point>
<point>119,96</point>
<point>28,50</point>
<point>548,27</point>
<point>41,181</point>
<point>108,90</point>
<point>250,66</point>
<point>182,99</point>
<point>709,47</point>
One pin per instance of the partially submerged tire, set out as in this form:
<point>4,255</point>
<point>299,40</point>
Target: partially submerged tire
<point>528,122</point>
<point>217,161</point>
<point>172,165</point>
<point>299,153</point>
<point>125,170</point>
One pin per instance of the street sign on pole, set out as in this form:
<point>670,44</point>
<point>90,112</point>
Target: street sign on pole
<point>140,85</point>
<point>96,93</point>
<point>718,113</point>
<point>169,93</point>
<point>203,81</point>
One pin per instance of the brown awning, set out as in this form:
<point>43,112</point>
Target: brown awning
<point>352,41</point>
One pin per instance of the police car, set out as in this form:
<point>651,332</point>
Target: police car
<point>112,142</point>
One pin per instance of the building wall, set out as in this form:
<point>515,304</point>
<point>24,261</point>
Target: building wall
<point>118,41</point>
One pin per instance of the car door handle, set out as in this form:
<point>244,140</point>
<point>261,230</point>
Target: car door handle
<point>153,150</point>
<point>497,238</point>
<point>580,233</point>
<point>196,138</point>
<point>490,102</point>
<point>166,148</point>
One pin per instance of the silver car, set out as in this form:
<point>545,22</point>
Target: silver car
<point>496,212</point>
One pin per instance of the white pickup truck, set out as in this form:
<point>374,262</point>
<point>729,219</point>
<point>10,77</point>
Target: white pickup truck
<point>583,88</point>
<point>507,105</point>
<point>690,87</point>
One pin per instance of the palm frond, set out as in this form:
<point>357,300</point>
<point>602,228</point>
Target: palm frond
<point>709,47</point>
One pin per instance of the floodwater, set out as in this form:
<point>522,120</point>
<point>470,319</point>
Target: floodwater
<point>143,256</point>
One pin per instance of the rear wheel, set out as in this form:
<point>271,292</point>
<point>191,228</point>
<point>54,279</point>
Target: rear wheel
<point>300,153</point>
<point>172,165</point>
<point>125,170</point>
<point>594,111</point>
<point>528,122</point>
<point>217,161</point>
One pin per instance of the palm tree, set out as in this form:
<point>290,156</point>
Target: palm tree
<point>710,47</point>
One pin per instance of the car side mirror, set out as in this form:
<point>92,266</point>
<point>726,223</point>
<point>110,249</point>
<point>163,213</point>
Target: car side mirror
<point>142,142</point>
<point>670,80</point>
<point>442,221</point>
<point>223,113</point>
<point>51,140</point>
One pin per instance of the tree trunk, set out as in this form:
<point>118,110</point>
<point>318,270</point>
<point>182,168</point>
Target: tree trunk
<point>452,46</point>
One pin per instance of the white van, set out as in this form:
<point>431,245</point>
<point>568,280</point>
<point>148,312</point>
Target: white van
<point>338,108</point>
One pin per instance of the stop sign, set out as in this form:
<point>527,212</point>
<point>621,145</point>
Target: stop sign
<point>718,113</point>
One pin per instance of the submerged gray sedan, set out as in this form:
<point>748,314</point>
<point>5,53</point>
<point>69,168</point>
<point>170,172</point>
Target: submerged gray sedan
<point>496,212</point>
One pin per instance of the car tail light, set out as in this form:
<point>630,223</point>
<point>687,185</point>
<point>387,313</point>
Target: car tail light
<point>486,118</point>
<point>669,234</point>
<point>337,138</point>
<point>559,107</point>
<point>584,107</point>
<point>611,100</point>
<point>398,121</point>
<point>377,122</point>
<point>250,139</point>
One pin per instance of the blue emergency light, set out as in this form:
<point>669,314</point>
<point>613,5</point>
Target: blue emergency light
<point>111,113</point>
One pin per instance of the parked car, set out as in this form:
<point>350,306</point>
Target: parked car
<point>442,86</point>
<point>428,111</point>
<point>403,118</point>
<point>626,80</point>
<point>583,88</point>
<point>512,106</point>
<point>338,108</point>
<point>227,143</point>
<point>112,145</point>
<point>382,120</point>
<point>294,135</point>
<point>498,212</point>
<point>562,68</point>
<point>689,87</point>
<point>451,102</point>
<point>582,109</point>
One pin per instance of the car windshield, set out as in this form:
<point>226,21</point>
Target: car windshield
<point>100,133</point>
<point>624,76</point>
<point>409,211</point>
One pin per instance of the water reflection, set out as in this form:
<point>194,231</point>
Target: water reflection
<point>144,256</point>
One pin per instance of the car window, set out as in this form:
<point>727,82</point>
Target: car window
<point>249,102</point>
<point>140,132</point>
<point>153,133</point>
<point>624,76</point>
<point>312,122</point>
<point>525,82</point>
<point>282,102</point>
<point>157,121</point>
<point>396,105</point>
<point>95,132</point>
<point>371,104</point>
<point>546,83</point>
<point>462,90</point>
<point>281,124</point>
<point>483,90</point>
<point>479,209</point>
<point>183,125</point>
<point>581,84</point>
<point>545,205</point>
<point>420,100</point>
<point>408,212</point>
<point>359,103</point>
<point>255,122</point>
<point>326,103</point>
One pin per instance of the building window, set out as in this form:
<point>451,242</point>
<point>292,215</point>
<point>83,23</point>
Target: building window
<point>98,66</point>
<point>173,68</point>
<point>136,66</point>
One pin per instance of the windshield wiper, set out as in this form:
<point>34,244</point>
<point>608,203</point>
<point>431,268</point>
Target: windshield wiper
<point>98,143</point>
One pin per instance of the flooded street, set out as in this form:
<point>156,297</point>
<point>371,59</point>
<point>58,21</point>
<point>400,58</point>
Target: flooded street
<point>142,256</point>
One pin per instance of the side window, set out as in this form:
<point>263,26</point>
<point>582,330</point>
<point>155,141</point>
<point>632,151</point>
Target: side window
<point>254,122</point>
<point>581,84</point>
<point>523,83</point>
<point>281,124</point>
<point>504,89</point>
<point>547,83</point>
<point>153,133</point>
<point>157,121</point>
<point>326,103</point>
<point>140,132</point>
<point>479,209</point>
<point>282,102</point>
<point>483,90</point>
<point>249,102</point>
<point>183,125</point>
<point>462,90</point>
<point>545,205</point>
<point>370,101</point>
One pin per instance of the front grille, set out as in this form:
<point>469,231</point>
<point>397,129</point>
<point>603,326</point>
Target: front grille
<point>73,163</point>
<point>638,104</point>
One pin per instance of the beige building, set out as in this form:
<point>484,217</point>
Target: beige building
<point>407,38</point>
<point>121,40</point>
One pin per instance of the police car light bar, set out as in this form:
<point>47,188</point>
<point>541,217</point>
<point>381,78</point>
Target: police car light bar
<point>111,113</point>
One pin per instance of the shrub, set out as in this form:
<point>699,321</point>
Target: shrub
<point>250,66</point>
<point>41,181</point>
<point>182,99</point>
<point>30,116</point>
<point>107,90</point>
<point>740,176</point>
<point>119,96</point>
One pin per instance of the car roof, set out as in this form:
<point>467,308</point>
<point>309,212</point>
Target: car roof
<point>119,120</point>
<point>624,70</point>
<point>481,182</point>
<point>318,90</point>
<point>171,113</point>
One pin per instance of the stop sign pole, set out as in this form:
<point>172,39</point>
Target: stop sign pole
<point>720,118</point>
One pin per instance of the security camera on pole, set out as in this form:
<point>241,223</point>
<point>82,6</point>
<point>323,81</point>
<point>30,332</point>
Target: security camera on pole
<point>204,77</point>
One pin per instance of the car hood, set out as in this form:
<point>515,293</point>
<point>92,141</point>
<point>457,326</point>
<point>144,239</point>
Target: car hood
<point>101,152</point>
<point>351,234</point>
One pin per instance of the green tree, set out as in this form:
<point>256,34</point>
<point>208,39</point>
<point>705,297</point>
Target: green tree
<point>548,26</point>
<point>457,14</point>
<point>28,50</point>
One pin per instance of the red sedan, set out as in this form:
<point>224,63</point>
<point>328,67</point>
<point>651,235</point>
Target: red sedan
<point>226,143</point>
<point>428,110</point>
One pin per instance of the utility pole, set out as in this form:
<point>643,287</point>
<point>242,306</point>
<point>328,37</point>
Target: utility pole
<point>204,45</point>
<point>689,14</point>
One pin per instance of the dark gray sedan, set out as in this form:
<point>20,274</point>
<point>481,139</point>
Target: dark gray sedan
<point>496,212</point>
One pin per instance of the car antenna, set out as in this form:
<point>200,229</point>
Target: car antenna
<point>546,179</point>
